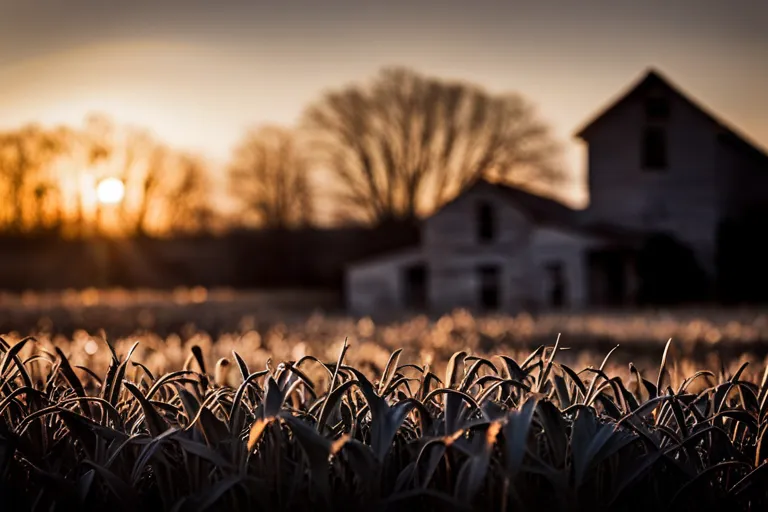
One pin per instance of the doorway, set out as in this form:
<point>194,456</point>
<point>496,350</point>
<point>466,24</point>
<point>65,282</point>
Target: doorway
<point>490,290</point>
<point>415,279</point>
<point>608,278</point>
<point>557,288</point>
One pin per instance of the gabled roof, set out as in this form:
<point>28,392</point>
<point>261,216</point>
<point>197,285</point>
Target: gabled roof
<point>541,210</point>
<point>654,78</point>
<point>547,212</point>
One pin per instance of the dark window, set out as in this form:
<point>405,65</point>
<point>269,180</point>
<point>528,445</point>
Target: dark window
<point>557,284</point>
<point>416,280</point>
<point>656,109</point>
<point>654,148</point>
<point>486,222</point>
<point>489,287</point>
<point>608,278</point>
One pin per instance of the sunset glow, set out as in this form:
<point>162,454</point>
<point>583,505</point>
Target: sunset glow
<point>219,73</point>
<point>110,191</point>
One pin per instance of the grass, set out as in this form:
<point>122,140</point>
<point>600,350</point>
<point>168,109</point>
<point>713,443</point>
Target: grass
<point>166,424</point>
<point>256,404</point>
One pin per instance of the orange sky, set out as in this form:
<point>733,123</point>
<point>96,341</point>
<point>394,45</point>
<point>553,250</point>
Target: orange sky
<point>198,73</point>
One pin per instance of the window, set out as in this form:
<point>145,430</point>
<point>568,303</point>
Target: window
<point>415,286</point>
<point>557,284</point>
<point>486,222</point>
<point>490,294</point>
<point>656,108</point>
<point>654,149</point>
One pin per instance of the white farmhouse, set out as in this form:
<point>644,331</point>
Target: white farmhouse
<point>657,163</point>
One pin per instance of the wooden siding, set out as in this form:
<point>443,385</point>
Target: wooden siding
<point>622,192</point>
<point>377,286</point>
<point>454,252</point>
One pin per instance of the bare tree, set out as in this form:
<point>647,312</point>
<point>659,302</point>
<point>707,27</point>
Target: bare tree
<point>91,145</point>
<point>269,175</point>
<point>194,213</point>
<point>166,190</point>
<point>24,153</point>
<point>171,189</point>
<point>403,144</point>
<point>150,178</point>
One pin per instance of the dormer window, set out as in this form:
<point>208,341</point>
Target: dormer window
<point>486,223</point>
<point>654,149</point>
<point>656,108</point>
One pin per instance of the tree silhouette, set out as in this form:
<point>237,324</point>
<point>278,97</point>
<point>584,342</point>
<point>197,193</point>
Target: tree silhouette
<point>24,154</point>
<point>194,214</point>
<point>166,190</point>
<point>269,175</point>
<point>403,144</point>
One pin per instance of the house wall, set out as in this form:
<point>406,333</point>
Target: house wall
<point>550,245</point>
<point>622,192</point>
<point>455,282</point>
<point>454,227</point>
<point>377,285</point>
<point>454,252</point>
<point>743,178</point>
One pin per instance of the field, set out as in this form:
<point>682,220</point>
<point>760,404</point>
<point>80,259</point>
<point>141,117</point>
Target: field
<point>282,325</point>
<point>209,400</point>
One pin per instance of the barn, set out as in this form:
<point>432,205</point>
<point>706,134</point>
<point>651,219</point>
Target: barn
<point>493,248</point>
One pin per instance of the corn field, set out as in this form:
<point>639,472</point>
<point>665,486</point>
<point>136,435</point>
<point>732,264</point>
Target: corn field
<point>483,433</point>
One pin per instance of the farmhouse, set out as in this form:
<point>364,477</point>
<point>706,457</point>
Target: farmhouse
<point>664,176</point>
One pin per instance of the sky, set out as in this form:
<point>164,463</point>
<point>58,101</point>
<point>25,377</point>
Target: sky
<point>198,73</point>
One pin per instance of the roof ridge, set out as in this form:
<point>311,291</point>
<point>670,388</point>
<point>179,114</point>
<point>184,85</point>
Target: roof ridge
<point>521,190</point>
<point>652,73</point>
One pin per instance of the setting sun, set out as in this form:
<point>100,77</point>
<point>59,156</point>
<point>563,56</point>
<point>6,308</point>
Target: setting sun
<point>110,191</point>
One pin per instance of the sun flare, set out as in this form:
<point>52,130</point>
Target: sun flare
<point>110,191</point>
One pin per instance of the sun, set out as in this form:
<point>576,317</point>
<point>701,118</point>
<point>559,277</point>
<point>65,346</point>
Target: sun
<point>110,191</point>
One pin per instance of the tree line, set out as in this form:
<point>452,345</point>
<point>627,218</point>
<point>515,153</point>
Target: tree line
<point>49,176</point>
<point>389,149</point>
